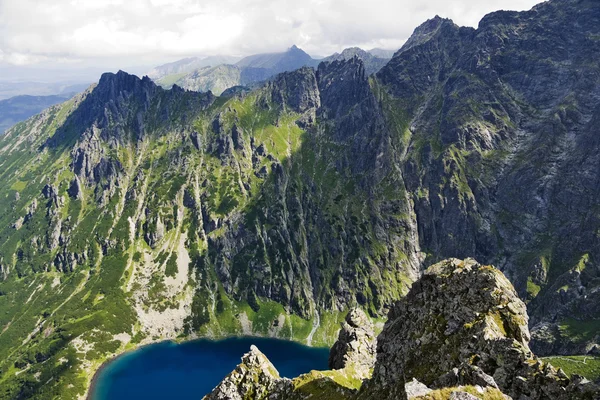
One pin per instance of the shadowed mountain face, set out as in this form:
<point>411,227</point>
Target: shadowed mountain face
<point>503,151</point>
<point>134,213</point>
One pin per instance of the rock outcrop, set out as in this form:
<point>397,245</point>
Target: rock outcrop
<point>255,378</point>
<point>462,323</point>
<point>355,347</point>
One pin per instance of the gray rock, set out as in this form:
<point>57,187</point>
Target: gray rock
<point>414,388</point>
<point>459,395</point>
<point>75,190</point>
<point>254,378</point>
<point>355,346</point>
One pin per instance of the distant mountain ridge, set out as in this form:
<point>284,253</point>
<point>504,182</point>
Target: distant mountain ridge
<point>372,63</point>
<point>19,108</point>
<point>289,60</point>
<point>255,68</point>
<point>188,65</point>
<point>247,71</point>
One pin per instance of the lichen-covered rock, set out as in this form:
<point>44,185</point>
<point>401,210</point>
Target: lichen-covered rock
<point>355,347</point>
<point>414,388</point>
<point>460,395</point>
<point>462,323</point>
<point>255,378</point>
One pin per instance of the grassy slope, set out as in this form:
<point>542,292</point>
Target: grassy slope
<point>587,366</point>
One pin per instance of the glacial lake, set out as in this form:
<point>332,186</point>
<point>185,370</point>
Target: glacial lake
<point>190,370</point>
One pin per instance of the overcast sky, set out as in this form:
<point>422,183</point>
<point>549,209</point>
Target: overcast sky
<point>109,34</point>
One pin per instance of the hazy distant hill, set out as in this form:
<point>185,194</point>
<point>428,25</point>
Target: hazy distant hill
<point>10,89</point>
<point>19,108</point>
<point>187,65</point>
<point>216,79</point>
<point>289,60</point>
<point>381,53</point>
<point>371,62</point>
<point>249,70</point>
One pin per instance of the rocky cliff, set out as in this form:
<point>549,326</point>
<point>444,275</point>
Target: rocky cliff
<point>499,130</point>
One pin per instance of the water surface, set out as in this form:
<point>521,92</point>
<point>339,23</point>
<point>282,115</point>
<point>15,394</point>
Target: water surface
<point>190,370</point>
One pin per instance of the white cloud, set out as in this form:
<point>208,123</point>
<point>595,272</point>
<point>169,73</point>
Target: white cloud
<point>92,32</point>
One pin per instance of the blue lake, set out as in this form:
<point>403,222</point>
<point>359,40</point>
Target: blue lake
<point>190,370</point>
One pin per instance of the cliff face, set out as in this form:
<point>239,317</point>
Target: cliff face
<point>168,212</point>
<point>502,150</point>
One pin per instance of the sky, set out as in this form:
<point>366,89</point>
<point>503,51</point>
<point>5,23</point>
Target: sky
<point>82,37</point>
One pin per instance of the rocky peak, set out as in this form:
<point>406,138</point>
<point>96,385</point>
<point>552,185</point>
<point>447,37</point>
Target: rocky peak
<point>296,90</point>
<point>462,323</point>
<point>111,85</point>
<point>355,347</point>
<point>429,29</point>
<point>115,107</point>
<point>343,84</point>
<point>371,62</point>
<point>254,378</point>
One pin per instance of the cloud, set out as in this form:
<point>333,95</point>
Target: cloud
<point>146,31</point>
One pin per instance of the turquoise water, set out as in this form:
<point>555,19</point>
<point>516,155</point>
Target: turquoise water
<point>191,370</point>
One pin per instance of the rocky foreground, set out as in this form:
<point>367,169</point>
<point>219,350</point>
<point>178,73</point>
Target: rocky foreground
<point>460,333</point>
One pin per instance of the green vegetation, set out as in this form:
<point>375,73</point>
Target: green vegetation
<point>171,269</point>
<point>579,330</point>
<point>587,366</point>
<point>532,288</point>
<point>326,385</point>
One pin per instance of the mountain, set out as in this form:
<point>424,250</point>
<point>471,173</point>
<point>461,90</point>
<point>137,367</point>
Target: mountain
<point>289,60</point>
<point>216,79</point>
<point>381,53</point>
<point>19,108</point>
<point>372,63</point>
<point>247,72</point>
<point>132,213</point>
<point>170,71</point>
<point>10,89</point>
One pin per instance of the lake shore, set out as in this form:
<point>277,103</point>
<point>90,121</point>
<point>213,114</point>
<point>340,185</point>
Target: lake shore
<point>93,386</point>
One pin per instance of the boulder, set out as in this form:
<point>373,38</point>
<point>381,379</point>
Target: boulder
<point>355,346</point>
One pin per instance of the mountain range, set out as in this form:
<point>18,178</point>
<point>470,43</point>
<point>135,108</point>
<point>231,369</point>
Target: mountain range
<point>211,74</point>
<point>133,213</point>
